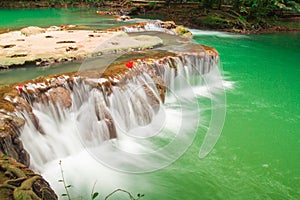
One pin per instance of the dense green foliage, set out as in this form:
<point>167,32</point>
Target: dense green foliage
<point>248,14</point>
<point>253,8</point>
<point>242,15</point>
<point>26,2</point>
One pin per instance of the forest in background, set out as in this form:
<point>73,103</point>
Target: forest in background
<point>232,15</point>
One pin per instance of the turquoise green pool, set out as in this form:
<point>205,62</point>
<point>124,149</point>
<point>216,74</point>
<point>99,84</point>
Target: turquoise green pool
<point>258,153</point>
<point>85,18</point>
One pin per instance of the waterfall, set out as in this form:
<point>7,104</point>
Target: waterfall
<point>139,121</point>
<point>154,25</point>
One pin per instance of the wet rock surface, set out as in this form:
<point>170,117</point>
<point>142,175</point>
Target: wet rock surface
<point>61,97</point>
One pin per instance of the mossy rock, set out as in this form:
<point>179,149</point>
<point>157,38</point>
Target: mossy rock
<point>181,30</point>
<point>17,182</point>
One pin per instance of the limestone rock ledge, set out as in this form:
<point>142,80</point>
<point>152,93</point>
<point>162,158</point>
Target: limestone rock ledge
<point>18,182</point>
<point>55,46</point>
<point>43,46</point>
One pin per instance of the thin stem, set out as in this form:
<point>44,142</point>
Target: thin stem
<point>63,180</point>
<point>120,190</point>
<point>93,189</point>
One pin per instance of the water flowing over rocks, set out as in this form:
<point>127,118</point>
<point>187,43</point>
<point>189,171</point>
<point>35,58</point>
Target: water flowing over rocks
<point>129,92</point>
<point>145,84</point>
<point>161,26</point>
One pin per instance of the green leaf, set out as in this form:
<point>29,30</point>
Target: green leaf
<point>95,195</point>
<point>63,195</point>
<point>60,180</point>
<point>4,156</point>
<point>68,186</point>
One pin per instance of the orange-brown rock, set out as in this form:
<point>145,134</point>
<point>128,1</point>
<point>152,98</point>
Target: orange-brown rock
<point>61,97</point>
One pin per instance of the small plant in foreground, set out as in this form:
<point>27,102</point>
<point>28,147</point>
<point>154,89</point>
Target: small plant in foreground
<point>94,194</point>
<point>130,195</point>
<point>64,182</point>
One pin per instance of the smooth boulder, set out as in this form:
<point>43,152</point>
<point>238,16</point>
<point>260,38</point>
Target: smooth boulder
<point>32,30</point>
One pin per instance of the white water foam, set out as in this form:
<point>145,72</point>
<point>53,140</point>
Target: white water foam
<point>216,33</point>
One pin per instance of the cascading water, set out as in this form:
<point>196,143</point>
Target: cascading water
<point>152,25</point>
<point>119,124</point>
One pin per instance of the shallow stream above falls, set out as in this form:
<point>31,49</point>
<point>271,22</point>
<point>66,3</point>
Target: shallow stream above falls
<point>257,155</point>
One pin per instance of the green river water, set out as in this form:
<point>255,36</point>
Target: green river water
<point>258,153</point>
<point>16,18</point>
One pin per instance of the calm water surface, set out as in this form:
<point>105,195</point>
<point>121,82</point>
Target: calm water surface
<point>85,18</point>
<point>258,153</point>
